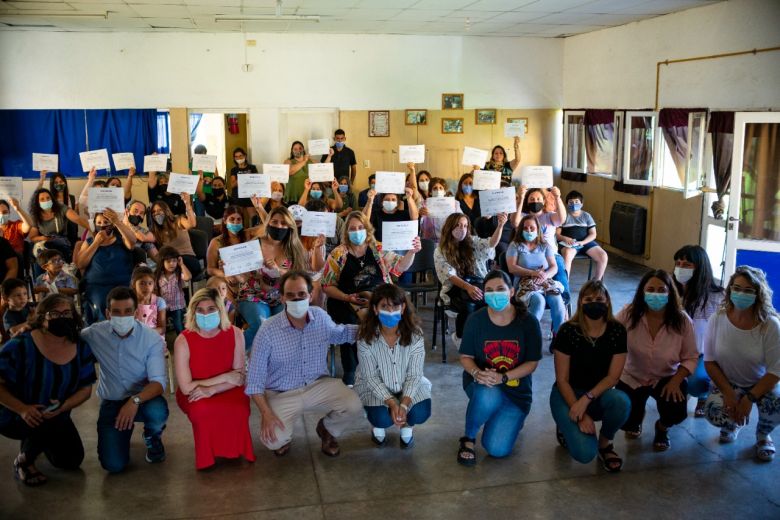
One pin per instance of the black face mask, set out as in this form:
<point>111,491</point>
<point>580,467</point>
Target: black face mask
<point>135,219</point>
<point>595,310</point>
<point>108,230</point>
<point>535,207</point>
<point>217,192</point>
<point>278,234</point>
<point>63,328</point>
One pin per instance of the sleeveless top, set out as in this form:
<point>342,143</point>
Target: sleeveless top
<point>181,243</point>
<point>147,314</point>
<point>210,357</point>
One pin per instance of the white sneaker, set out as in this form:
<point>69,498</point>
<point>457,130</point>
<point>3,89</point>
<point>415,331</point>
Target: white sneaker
<point>727,436</point>
<point>455,340</point>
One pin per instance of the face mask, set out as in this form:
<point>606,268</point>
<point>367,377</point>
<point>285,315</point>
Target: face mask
<point>5,218</point>
<point>339,145</point>
<point>467,189</point>
<point>459,234</point>
<point>575,207</point>
<point>497,300</point>
<point>108,230</point>
<point>683,274</point>
<point>389,205</point>
<point>423,185</point>
<point>297,155</point>
<point>373,185</point>
<point>343,188</point>
<point>438,193</point>
<point>298,309</point>
<point>159,219</point>
<point>656,301</point>
<point>59,187</point>
<point>389,319</point>
<point>62,327</point>
<point>277,234</point>
<point>217,192</point>
<point>241,162</point>
<point>595,310</point>
<point>234,228</point>
<point>357,237</point>
<point>207,322</point>
<point>47,204</point>
<point>530,236</point>
<point>122,324</point>
<point>277,195</point>
<point>742,300</point>
<point>135,219</point>
<point>535,207</point>
<point>315,194</point>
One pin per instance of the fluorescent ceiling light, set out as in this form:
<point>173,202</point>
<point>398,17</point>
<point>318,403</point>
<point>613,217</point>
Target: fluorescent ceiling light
<point>267,18</point>
<point>38,14</point>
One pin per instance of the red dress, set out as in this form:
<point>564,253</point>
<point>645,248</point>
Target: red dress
<point>220,424</point>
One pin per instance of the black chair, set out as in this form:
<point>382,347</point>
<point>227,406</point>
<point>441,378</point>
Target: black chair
<point>584,256</point>
<point>421,268</point>
<point>205,224</point>
<point>200,246</point>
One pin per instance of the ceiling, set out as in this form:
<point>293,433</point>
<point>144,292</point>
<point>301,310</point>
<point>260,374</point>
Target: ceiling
<point>530,18</point>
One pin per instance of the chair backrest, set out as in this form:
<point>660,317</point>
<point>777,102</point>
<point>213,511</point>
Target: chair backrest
<point>200,243</point>
<point>206,225</point>
<point>502,263</point>
<point>423,261</point>
<point>139,256</point>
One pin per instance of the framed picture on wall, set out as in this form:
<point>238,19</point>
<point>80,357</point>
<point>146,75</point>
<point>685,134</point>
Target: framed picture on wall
<point>485,116</point>
<point>452,125</point>
<point>451,101</point>
<point>522,120</point>
<point>378,123</point>
<point>416,116</point>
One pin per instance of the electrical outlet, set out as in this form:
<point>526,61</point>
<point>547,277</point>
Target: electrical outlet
<point>366,163</point>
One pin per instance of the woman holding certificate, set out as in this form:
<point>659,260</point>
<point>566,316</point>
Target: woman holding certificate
<point>499,163</point>
<point>50,222</point>
<point>172,230</point>
<point>430,226</point>
<point>389,211</point>
<point>299,172</point>
<point>468,198</point>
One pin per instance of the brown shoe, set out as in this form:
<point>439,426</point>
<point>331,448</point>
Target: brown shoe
<point>330,446</point>
<point>281,452</point>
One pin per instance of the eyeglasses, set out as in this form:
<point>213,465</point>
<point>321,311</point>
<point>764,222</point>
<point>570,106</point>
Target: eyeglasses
<point>56,261</point>
<point>53,315</point>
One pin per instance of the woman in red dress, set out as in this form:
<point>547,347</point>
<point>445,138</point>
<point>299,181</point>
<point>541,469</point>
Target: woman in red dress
<point>209,361</point>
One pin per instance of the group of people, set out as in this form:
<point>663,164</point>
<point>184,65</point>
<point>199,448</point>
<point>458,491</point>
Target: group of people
<point>263,336</point>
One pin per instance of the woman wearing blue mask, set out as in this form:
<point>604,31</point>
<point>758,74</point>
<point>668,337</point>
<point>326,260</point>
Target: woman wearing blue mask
<point>352,271</point>
<point>390,380</point>
<point>233,232</point>
<point>468,198</point>
<point>742,356</point>
<point>390,209</point>
<point>502,345</point>
<point>348,200</point>
<point>210,371</point>
<point>661,355</point>
<point>320,191</point>
<point>50,222</point>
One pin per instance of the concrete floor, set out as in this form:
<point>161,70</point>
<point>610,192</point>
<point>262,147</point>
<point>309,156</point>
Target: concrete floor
<point>697,476</point>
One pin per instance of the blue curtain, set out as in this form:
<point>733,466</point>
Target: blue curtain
<point>68,132</point>
<point>163,132</point>
<point>194,124</point>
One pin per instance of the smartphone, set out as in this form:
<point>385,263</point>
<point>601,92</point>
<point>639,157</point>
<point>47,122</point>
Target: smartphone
<point>52,407</point>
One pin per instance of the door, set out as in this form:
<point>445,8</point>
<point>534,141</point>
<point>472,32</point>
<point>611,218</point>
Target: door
<point>753,224</point>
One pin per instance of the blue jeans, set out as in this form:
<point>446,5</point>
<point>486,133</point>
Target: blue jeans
<point>536,304</point>
<point>255,313</point>
<point>379,416</point>
<point>113,444</point>
<point>699,381</point>
<point>502,418</point>
<point>177,317</point>
<point>563,277</point>
<point>96,294</point>
<point>611,408</point>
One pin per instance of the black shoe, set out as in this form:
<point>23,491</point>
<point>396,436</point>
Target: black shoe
<point>406,445</point>
<point>661,440</point>
<point>155,451</point>
<point>376,440</point>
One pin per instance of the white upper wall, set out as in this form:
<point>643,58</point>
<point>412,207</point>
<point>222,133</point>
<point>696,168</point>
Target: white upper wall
<point>616,68</point>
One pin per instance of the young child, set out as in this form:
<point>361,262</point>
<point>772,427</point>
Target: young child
<point>578,234</point>
<point>221,285</point>
<point>151,308</point>
<point>54,279</point>
<point>15,296</point>
<point>170,277</point>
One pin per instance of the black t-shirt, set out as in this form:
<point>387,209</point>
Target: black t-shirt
<point>342,162</point>
<point>378,216</point>
<point>589,362</point>
<point>503,348</point>
<point>214,207</point>
<point>472,213</point>
<point>360,274</point>
<point>245,202</point>
<point>6,253</point>
<point>173,200</point>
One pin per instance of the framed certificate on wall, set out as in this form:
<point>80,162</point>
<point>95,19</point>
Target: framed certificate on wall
<point>378,123</point>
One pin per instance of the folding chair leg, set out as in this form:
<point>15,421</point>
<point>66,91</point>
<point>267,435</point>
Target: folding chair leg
<point>333,361</point>
<point>435,322</point>
<point>171,379</point>
<point>444,320</point>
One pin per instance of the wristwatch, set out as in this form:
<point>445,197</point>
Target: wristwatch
<point>136,400</point>
<point>504,379</point>
<point>590,396</point>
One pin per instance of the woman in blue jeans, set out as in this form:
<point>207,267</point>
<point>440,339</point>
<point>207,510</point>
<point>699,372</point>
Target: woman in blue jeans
<point>501,347</point>
<point>590,351</point>
<point>391,356</point>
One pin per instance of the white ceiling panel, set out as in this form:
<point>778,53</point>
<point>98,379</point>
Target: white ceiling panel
<point>161,11</point>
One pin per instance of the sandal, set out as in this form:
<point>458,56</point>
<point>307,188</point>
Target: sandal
<point>765,450</point>
<point>727,436</point>
<point>561,438</point>
<point>609,459</point>
<point>661,440</point>
<point>281,452</point>
<point>700,411</point>
<point>634,434</point>
<point>464,450</point>
<point>28,474</point>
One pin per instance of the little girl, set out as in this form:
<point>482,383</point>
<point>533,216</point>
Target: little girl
<point>151,308</point>
<point>220,283</point>
<point>170,277</point>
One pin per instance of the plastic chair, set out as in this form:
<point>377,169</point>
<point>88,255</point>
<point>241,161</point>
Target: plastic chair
<point>205,224</point>
<point>200,246</point>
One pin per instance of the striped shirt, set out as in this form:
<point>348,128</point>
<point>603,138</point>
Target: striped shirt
<point>385,372</point>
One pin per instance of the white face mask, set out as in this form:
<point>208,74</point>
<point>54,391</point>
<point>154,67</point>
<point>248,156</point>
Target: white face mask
<point>438,193</point>
<point>122,324</point>
<point>389,205</point>
<point>241,162</point>
<point>683,274</point>
<point>297,309</point>
<point>423,185</point>
<point>277,195</point>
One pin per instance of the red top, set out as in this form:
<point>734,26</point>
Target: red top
<point>13,233</point>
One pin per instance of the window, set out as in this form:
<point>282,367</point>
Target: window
<point>638,148</point>
<point>602,142</point>
<point>574,157</point>
<point>680,154</point>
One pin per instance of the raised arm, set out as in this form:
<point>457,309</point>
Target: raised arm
<point>414,213</point>
<point>27,221</point>
<point>128,187</point>
<point>84,195</point>
<point>495,238</point>
<point>560,207</point>
<point>514,163</point>
<point>369,204</point>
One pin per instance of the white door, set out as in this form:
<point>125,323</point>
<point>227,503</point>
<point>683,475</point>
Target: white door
<point>753,222</point>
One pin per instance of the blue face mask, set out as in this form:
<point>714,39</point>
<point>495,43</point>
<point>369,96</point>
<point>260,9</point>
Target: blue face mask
<point>575,207</point>
<point>656,301</point>
<point>530,235</point>
<point>389,319</point>
<point>497,300</point>
<point>46,205</point>
<point>742,300</point>
<point>339,145</point>
<point>343,188</point>
<point>467,189</point>
<point>315,194</point>
<point>207,322</point>
<point>234,228</point>
<point>5,218</point>
<point>357,237</point>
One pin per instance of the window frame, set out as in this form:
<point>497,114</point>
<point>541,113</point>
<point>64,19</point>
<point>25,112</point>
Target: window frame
<point>565,168</point>
<point>629,114</point>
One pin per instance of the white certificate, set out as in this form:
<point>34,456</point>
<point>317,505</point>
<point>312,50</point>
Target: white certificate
<point>156,162</point>
<point>319,147</point>
<point>277,172</point>
<point>536,176</point>
<point>97,159</point>
<point>474,156</point>
<point>204,163</point>
<point>516,129</point>
<point>390,182</point>
<point>487,180</point>
<point>241,258</point>
<point>46,161</point>
<point>398,236</point>
<point>123,161</point>
<point>254,185</point>
<point>493,202</point>
<point>321,172</point>
<point>183,183</point>
<point>316,223</point>
<point>411,153</point>
<point>99,199</point>
<point>11,188</point>
<point>441,207</point>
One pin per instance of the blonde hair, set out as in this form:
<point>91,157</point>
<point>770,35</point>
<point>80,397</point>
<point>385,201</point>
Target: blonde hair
<point>202,295</point>
<point>370,240</point>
